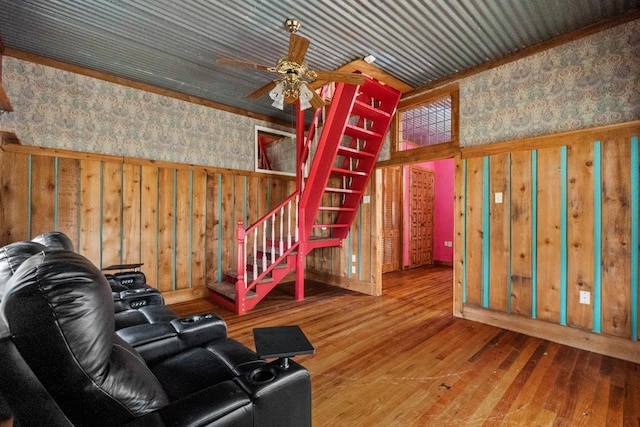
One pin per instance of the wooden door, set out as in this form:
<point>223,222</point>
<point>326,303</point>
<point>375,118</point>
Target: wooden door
<point>421,194</point>
<point>391,218</point>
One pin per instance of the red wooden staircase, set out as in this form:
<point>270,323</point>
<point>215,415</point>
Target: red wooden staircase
<point>320,212</point>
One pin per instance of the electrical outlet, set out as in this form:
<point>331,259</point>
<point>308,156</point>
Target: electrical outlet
<point>585,297</point>
<point>353,257</point>
<point>366,199</point>
<point>498,197</point>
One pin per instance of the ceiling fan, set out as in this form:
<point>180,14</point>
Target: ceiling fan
<point>294,77</point>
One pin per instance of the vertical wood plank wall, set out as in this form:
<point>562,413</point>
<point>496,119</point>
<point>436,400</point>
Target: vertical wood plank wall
<point>568,222</point>
<point>178,220</point>
<point>355,265</point>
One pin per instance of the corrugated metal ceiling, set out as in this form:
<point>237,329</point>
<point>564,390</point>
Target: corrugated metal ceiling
<point>174,44</point>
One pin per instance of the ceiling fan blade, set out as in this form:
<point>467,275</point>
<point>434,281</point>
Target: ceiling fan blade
<point>297,48</point>
<point>316,101</point>
<point>338,76</point>
<point>239,63</point>
<point>262,90</point>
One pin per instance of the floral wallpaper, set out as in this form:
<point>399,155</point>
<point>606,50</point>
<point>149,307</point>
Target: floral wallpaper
<point>589,82</point>
<point>59,109</point>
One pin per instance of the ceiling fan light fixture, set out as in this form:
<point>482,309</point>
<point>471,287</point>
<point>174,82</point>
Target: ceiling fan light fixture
<point>305,96</point>
<point>292,25</point>
<point>277,96</point>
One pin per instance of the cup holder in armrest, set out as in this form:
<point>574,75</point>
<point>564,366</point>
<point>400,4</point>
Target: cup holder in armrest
<point>190,319</point>
<point>195,318</point>
<point>263,374</point>
<point>199,329</point>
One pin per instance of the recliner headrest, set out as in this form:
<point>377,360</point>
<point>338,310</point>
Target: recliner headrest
<point>12,256</point>
<point>54,240</point>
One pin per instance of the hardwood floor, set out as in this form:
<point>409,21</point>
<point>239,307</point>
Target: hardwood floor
<point>402,359</point>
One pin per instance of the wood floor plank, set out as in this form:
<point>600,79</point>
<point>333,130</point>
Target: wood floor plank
<point>402,359</point>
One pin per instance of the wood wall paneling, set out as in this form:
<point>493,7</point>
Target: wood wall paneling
<point>14,197</point>
<point>569,220</point>
<point>91,211</point>
<point>68,195</point>
<point>131,209</point>
<point>474,232</point>
<point>43,195</point>
<point>500,222</point>
<point>149,188</point>
<point>548,238</point>
<point>239,209</point>
<point>521,234</point>
<point>112,195</point>
<point>228,223</point>
<point>183,228</point>
<point>616,244</point>
<point>366,219</point>
<point>213,242</point>
<point>166,233</point>
<point>459,223</point>
<point>178,220</point>
<point>580,233</point>
<point>198,228</point>
<point>252,212</point>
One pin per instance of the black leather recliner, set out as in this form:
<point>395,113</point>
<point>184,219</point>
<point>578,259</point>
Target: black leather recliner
<point>135,302</point>
<point>62,362</point>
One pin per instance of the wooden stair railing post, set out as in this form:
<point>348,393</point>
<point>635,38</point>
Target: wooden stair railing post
<point>240,282</point>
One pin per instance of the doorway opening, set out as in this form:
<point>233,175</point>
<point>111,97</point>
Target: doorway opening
<point>418,215</point>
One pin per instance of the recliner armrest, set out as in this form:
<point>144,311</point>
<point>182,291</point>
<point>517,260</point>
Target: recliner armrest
<point>199,329</point>
<point>154,341</point>
<point>281,396</point>
<point>157,341</point>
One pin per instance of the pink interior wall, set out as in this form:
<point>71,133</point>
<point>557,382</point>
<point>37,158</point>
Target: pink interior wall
<point>443,210</point>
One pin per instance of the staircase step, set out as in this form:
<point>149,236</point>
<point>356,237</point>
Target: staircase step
<point>258,262</point>
<point>336,209</point>
<point>249,276</point>
<point>353,152</point>
<point>228,290</point>
<point>347,172</point>
<point>342,190</point>
<point>360,133</point>
<point>331,225</point>
<point>324,242</point>
<point>363,109</point>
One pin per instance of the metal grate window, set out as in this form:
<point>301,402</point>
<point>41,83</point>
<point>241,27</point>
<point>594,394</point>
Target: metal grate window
<point>427,124</point>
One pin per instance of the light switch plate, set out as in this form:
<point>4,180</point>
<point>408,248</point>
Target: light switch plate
<point>498,197</point>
